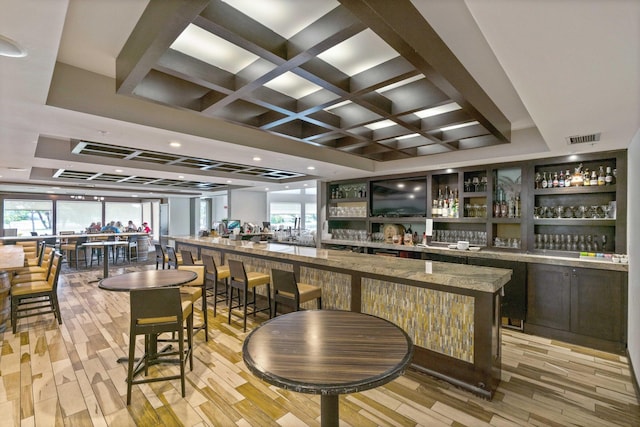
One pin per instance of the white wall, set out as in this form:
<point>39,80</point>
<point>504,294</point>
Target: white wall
<point>219,207</point>
<point>633,248</point>
<point>179,216</point>
<point>248,206</point>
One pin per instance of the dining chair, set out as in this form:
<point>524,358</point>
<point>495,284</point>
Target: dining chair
<point>214,277</point>
<point>161,256</point>
<point>30,249</point>
<point>37,297</point>
<point>187,258</point>
<point>193,291</point>
<point>287,291</point>
<point>153,312</point>
<point>32,274</point>
<point>43,264</point>
<point>75,247</point>
<point>244,282</point>
<point>174,259</point>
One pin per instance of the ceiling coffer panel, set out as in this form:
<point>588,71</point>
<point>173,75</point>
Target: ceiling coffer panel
<point>304,88</point>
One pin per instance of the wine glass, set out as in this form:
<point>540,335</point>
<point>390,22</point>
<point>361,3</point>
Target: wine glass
<point>476,182</point>
<point>484,180</point>
<point>603,239</point>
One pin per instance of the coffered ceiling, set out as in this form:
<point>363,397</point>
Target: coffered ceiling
<point>288,90</point>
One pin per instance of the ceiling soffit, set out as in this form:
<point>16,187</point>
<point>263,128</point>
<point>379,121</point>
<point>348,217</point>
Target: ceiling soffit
<point>408,95</point>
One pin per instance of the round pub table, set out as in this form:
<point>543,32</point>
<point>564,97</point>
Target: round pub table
<point>327,352</point>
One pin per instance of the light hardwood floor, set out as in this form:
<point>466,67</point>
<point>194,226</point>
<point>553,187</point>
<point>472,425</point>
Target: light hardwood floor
<point>68,375</point>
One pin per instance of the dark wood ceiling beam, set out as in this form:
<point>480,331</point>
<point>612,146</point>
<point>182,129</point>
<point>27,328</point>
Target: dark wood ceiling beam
<point>230,24</point>
<point>402,26</point>
<point>160,24</point>
<point>198,72</point>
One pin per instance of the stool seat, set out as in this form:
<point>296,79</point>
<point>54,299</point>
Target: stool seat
<point>256,279</point>
<point>307,292</point>
<point>287,291</point>
<point>246,282</point>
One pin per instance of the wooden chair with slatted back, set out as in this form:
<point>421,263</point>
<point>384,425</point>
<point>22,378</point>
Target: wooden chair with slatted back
<point>245,282</point>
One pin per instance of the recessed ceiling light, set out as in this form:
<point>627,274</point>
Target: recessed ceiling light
<point>55,188</point>
<point>573,157</point>
<point>429,112</point>
<point>50,192</point>
<point>119,170</point>
<point>175,144</point>
<point>229,181</point>
<point>461,125</point>
<point>134,195</point>
<point>401,185</point>
<point>304,185</point>
<point>11,48</point>
<point>17,169</point>
<point>381,124</point>
<point>266,189</point>
<point>311,168</point>
<point>180,176</point>
<point>256,159</point>
<point>286,186</point>
<point>449,170</point>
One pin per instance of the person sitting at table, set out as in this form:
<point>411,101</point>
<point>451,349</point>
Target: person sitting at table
<point>110,228</point>
<point>145,228</point>
<point>131,227</point>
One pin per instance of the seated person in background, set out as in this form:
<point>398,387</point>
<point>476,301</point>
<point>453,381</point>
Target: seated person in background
<point>131,227</point>
<point>98,227</point>
<point>146,228</point>
<point>91,228</point>
<point>110,228</point>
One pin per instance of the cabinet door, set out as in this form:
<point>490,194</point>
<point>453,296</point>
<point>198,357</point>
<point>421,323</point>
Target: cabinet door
<point>598,307</point>
<point>549,296</point>
<point>514,301</point>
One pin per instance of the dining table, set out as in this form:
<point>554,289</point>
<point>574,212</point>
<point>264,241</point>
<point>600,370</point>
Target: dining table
<point>327,352</point>
<point>146,279</point>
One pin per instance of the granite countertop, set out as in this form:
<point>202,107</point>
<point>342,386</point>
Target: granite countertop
<point>470,277</point>
<point>552,258</point>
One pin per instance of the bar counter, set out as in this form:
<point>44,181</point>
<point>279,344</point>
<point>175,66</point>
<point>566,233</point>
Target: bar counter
<point>450,311</point>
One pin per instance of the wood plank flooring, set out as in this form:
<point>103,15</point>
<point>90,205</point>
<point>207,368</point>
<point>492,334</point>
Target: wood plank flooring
<point>53,375</point>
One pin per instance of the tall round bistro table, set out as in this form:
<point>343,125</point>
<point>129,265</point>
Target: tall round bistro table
<point>146,279</point>
<point>328,353</point>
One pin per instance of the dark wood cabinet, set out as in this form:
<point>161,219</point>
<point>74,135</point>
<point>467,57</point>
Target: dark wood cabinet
<point>549,296</point>
<point>580,305</point>
<point>514,298</point>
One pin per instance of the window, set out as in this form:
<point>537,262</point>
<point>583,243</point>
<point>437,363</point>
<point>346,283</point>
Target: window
<point>123,212</point>
<point>77,216</point>
<point>28,216</point>
<point>310,216</point>
<point>284,214</point>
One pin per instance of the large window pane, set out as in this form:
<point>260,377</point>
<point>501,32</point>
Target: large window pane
<point>29,216</point>
<point>123,212</point>
<point>283,215</point>
<point>310,216</point>
<point>77,216</point>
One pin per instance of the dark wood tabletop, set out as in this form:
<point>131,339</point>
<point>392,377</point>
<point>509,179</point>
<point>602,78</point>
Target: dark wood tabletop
<point>327,352</point>
<point>146,279</point>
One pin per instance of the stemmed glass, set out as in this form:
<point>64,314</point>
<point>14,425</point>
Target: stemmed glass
<point>476,183</point>
<point>484,181</point>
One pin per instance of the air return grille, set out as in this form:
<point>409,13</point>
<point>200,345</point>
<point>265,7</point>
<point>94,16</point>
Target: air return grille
<point>581,139</point>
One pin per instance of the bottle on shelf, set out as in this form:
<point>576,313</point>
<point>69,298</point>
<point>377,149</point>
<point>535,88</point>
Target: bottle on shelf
<point>517,207</point>
<point>608,178</point>
<point>594,178</point>
<point>577,180</point>
<point>601,176</point>
<point>567,179</point>
<point>555,183</point>
<point>538,181</point>
<point>434,208</point>
<point>445,205</point>
<point>561,179</point>
<point>544,183</point>
<point>586,177</point>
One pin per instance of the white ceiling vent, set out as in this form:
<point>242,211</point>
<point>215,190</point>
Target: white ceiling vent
<point>581,139</point>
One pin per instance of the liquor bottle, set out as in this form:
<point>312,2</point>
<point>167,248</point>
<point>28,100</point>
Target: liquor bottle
<point>615,176</point>
<point>537,183</point>
<point>587,177</point>
<point>594,178</point>
<point>445,206</point>
<point>555,181</point>
<point>517,205</point>
<point>608,178</point>
<point>440,203</point>
<point>567,179</point>
<point>545,183</point>
<point>333,193</point>
<point>601,180</point>
<point>561,179</point>
<point>434,208</point>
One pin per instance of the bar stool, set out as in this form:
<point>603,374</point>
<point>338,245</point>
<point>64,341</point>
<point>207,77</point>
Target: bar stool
<point>213,277</point>
<point>287,291</point>
<point>174,259</point>
<point>193,291</point>
<point>153,312</point>
<point>161,256</point>
<point>243,282</point>
<point>187,258</point>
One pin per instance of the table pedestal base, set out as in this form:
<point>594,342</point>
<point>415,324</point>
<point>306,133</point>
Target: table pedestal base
<point>329,415</point>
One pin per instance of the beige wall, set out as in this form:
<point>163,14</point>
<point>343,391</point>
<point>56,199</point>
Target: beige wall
<point>633,248</point>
